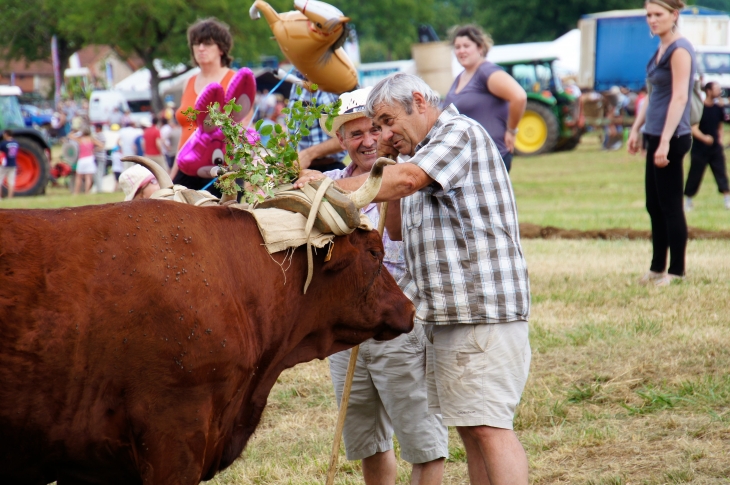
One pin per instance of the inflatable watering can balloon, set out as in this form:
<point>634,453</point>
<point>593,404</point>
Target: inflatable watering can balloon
<point>206,147</point>
<point>312,38</point>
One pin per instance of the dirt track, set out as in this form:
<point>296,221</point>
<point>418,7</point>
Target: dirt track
<point>533,231</point>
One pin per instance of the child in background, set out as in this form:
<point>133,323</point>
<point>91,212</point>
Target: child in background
<point>9,151</point>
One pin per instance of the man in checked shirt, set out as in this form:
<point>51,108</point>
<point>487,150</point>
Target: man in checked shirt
<point>466,275</point>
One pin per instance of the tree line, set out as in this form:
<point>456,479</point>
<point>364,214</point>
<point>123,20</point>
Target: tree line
<point>156,29</point>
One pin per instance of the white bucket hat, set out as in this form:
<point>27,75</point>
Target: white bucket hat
<point>132,179</point>
<point>353,107</point>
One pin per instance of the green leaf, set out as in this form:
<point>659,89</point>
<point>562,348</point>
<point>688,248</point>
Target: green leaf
<point>299,91</point>
<point>305,131</point>
<point>266,130</point>
<point>314,87</point>
<point>278,128</point>
<point>258,124</point>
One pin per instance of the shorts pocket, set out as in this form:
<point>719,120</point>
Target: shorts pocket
<point>417,339</point>
<point>482,335</point>
<point>428,332</point>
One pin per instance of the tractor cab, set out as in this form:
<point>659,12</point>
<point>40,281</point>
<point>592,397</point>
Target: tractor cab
<point>552,117</point>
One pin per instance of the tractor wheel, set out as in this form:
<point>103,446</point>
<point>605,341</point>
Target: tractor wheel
<point>32,173</point>
<point>538,130</point>
<point>568,144</point>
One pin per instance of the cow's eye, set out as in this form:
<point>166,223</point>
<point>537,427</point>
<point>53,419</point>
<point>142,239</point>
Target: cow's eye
<point>375,254</point>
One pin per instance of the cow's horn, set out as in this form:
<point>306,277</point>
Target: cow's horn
<point>163,178</point>
<point>365,194</point>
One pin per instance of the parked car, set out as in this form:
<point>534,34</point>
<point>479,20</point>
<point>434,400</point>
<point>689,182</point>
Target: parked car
<point>35,117</point>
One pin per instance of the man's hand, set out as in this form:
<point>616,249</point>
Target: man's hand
<point>306,176</point>
<point>386,149</point>
<point>708,140</point>
<point>305,158</point>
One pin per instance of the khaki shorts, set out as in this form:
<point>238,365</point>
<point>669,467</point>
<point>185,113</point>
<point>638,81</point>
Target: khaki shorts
<point>389,395</point>
<point>476,373</point>
<point>8,173</point>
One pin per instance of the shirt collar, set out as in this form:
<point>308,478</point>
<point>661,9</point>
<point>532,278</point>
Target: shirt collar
<point>447,114</point>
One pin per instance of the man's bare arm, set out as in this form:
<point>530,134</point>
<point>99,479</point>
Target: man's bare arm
<point>393,221</point>
<point>308,155</point>
<point>399,181</point>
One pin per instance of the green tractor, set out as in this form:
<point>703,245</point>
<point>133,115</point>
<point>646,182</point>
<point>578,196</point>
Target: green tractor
<point>34,155</point>
<point>552,119</point>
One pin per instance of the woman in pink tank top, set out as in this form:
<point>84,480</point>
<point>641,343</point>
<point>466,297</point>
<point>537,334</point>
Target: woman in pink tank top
<point>86,165</point>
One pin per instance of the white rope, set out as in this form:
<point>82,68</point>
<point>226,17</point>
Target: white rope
<point>313,212</point>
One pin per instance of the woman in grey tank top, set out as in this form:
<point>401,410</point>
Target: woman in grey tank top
<point>665,117</point>
<point>485,92</point>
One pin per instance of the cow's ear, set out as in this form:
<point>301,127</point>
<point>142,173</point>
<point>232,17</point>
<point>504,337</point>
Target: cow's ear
<point>341,254</point>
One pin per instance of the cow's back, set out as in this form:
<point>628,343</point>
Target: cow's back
<point>104,311</point>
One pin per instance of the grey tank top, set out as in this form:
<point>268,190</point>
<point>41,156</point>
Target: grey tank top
<point>476,102</point>
<point>660,76</point>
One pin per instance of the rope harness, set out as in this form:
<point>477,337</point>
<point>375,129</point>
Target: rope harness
<point>312,205</point>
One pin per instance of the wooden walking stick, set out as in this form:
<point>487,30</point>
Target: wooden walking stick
<point>348,382</point>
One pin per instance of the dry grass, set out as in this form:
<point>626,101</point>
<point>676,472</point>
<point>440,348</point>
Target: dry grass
<point>629,385</point>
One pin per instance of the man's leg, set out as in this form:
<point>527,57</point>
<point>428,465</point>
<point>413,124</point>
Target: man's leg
<point>367,433</point>
<point>429,473</point>
<point>380,468</point>
<point>497,454</point>
<point>398,371</point>
<point>480,372</point>
<point>11,182</point>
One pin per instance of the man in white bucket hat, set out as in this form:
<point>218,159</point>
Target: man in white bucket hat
<point>389,386</point>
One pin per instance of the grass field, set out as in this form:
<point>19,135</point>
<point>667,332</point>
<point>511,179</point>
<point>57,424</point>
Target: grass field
<point>593,189</point>
<point>628,384</point>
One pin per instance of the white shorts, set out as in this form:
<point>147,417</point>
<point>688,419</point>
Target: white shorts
<point>86,166</point>
<point>389,395</point>
<point>8,173</point>
<point>476,373</point>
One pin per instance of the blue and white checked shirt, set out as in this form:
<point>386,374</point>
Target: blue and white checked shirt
<point>316,133</point>
<point>462,242</point>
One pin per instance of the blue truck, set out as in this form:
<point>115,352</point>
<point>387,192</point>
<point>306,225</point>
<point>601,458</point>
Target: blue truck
<point>617,45</point>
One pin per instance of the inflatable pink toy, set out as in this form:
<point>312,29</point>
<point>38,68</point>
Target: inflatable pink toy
<point>206,147</point>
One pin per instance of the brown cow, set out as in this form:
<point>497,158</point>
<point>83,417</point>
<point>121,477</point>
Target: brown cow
<point>139,341</point>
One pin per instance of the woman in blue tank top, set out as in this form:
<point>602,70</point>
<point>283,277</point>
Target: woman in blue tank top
<point>665,117</point>
<point>485,92</point>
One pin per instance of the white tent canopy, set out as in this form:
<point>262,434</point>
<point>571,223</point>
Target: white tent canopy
<point>139,80</point>
<point>565,49</point>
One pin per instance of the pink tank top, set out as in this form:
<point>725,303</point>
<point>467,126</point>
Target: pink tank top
<point>86,149</point>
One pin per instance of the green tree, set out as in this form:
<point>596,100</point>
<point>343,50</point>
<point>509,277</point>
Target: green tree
<point>28,27</point>
<point>510,21</point>
<point>158,30</point>
<point>391,23</point>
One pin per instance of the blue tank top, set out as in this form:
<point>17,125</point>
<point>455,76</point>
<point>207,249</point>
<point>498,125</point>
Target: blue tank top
<point>476,102</point>
<point>660,76</point>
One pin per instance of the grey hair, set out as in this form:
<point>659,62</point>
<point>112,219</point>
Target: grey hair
<point>399,88</point>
